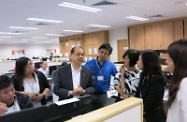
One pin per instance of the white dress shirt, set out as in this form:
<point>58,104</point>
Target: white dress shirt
<point>76,76</point>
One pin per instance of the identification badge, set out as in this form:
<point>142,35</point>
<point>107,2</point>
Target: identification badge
<point>100,77</point>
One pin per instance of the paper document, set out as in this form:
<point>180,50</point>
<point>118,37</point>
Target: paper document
<point>62,102</point>
<point>112,93</point>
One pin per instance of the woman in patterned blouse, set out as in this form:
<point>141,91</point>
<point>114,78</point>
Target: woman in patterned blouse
<point>126,81</point>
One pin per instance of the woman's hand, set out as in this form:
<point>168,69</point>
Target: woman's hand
<point>38,97</point>
<point>31,95</point>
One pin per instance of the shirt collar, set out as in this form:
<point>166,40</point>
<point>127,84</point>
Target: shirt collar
<point>99,62</point>
<point>72,69</point>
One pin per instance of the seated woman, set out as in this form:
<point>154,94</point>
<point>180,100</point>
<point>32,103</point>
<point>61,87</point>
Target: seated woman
<point>30,82</point>
<point>126,81</point>
<point>151,86</point>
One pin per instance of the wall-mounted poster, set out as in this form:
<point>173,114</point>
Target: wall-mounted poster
<point>17,54</point>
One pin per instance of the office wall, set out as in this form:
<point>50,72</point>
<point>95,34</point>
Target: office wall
<point>30,49</point>
<point>40,49</point>
<point>114,36</point>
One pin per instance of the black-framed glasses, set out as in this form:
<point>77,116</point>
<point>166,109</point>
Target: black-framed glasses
<point>103,53</point>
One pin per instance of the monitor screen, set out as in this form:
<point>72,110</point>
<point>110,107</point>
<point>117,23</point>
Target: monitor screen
<point>37,65</point>
<point>51,69</point>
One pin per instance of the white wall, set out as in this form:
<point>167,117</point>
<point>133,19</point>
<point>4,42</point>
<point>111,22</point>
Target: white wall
<point>40,49</point>
<point>30,49</point>
<point>114,36</point>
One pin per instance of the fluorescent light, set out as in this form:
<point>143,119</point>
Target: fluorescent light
<point>39,37</point>
<point>80,7</point>
<point>137,18</point>
<point>5,37</point>
<point>44,20</point>
<point>9,33</point>
<point>185,4</point>
<point>54,35</point>
<point>100,26</point>
<point>24,28</point>
<point>73,31</point>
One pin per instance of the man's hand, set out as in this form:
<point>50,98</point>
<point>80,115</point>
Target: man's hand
<point>79,90</point>
<point>3,108</point>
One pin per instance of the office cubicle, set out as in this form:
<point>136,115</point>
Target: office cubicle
<point>129,110</point>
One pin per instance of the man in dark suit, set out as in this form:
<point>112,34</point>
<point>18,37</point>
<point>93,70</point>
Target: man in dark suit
<point>74,79</point>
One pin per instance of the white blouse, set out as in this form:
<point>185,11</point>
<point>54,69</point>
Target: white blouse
<point>32,87</point>
<point>178,110</point>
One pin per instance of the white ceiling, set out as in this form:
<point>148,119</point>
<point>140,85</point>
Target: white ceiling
<point>16,12</point>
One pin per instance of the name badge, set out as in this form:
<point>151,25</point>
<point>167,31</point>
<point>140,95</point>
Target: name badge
<point>100,77</point>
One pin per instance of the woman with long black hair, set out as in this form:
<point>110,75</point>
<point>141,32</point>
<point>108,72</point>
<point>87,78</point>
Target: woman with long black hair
<point>177,64</point>
<point>151,86</point>
<point>30,82</point>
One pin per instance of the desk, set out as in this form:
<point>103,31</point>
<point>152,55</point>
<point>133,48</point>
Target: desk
<point>50,113</point>
<point>129,110</point>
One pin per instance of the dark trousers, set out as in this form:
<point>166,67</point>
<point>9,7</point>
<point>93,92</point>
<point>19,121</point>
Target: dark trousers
<point>100,101</point>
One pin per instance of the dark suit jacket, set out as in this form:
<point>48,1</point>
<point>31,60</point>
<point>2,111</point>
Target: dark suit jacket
<point>63,81</point>
<point>152,91</point>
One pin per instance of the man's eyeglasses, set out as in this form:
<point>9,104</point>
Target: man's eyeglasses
<point>79,54</point>
<point>103,53</point>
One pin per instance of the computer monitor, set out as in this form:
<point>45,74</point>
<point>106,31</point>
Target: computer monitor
<point>37,65</point>
<point>49,113</point>
<point>51,69</point>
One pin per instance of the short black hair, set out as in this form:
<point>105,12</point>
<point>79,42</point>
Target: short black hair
<point>5,82</point>
<point>64,63</point>
<point>107,47</point>
<point>133,56</point>
<point>44,61</point>
<point>73,49</point>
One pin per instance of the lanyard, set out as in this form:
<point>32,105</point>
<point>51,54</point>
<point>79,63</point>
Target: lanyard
<point>31,85</point>
<point>100,70</point>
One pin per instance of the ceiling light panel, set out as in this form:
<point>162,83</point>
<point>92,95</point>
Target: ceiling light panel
<point>137,18</point>
<point>10,33</point>
<point>99,26</point>
<point>54,35</point>
<point>44,20</point>
<point>24,28</point>
<point>78,31</point>
<point>79,7</point>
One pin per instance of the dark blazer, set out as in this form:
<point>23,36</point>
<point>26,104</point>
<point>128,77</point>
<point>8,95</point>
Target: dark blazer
<point>43,83</point>
<point>151,90</point>
<point>63,82</point>
<point>24,101</point>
